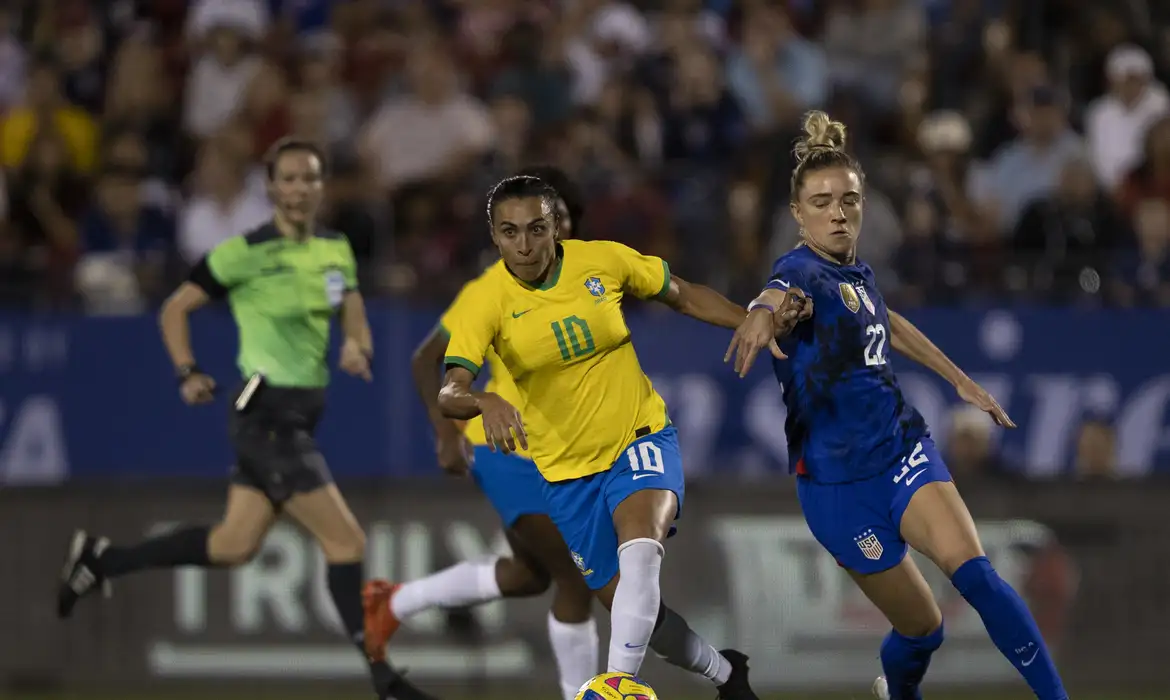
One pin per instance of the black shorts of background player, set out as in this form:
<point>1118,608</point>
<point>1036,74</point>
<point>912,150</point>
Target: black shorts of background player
<point>283,281</point>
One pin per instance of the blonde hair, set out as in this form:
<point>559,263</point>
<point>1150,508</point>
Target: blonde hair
<point>822,146</point>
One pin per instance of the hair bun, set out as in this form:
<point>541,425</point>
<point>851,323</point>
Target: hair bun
<point>820,133</point>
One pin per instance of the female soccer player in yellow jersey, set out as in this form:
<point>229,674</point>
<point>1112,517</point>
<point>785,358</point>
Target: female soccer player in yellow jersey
<point>514,487</point>
<point>600,435</point>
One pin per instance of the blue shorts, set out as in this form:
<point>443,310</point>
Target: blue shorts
<point>583,508</point>
<point>512,484</point>
<point>860,522</point>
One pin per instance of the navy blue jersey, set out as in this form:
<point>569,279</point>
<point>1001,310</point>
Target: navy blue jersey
<point>847,418</point>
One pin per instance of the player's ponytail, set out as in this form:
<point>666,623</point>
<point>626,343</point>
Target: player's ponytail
<point>822,146</point>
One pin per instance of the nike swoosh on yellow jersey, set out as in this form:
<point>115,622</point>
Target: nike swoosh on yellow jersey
<point>518,315</point>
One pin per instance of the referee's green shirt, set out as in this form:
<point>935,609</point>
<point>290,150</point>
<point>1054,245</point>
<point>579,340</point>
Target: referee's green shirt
<point>283,294</point>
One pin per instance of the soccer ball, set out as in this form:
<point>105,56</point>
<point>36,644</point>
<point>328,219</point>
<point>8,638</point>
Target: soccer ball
<point>616,686</point>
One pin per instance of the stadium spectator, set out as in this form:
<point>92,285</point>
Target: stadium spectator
<point>436,131</point>
<point>774,73</point>
<point>223,73</point>
<point>44,108</point>
<point>13,62</point>
<point>1143,270</point>
<point>1063,241</point>
<point>1116,123</point>
<point>1151,177</point>
<point>221,205</point>
<point>125,245</point>
<point>1029,166</point>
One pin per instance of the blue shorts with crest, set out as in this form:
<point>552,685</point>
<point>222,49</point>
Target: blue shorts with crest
<point>583,508</point>
<point>859,522</point>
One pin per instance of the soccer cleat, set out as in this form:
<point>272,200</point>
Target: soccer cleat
<point>737,686</point>
<point>881,689</point>
<point>81,573</point>
<point>392,685</point>
<point>401,689</point>
<point>380,621</point>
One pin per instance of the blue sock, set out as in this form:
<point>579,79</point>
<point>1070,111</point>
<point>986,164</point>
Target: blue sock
<point>1010,625</point>
<point>905,660</point>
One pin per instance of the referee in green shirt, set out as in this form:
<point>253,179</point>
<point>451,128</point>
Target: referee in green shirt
<point>285,281</point>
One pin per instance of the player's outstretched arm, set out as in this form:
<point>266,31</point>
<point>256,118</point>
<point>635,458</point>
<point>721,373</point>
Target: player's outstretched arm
<point>501,421</point>
<point>702,303</point>
<point>426,369</point>
<point>907,340</point>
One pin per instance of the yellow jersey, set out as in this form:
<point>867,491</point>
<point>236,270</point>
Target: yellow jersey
<point>498,383</point>
<point>582,393</point>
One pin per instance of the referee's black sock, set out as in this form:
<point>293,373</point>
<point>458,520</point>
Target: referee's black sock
<point>345,586</point>
<point>183,547</point>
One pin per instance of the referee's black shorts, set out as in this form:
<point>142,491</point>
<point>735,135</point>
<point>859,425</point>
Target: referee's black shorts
<point>276,452</point>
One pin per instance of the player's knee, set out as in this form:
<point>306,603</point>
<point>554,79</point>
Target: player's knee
<point>228,548</point>
<point>572,601</point>
<point>347,547</point>
<point>521,579</point>
<point>923,625</point>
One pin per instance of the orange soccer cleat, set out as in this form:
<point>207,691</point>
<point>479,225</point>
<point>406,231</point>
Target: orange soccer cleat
<point>380,621</point>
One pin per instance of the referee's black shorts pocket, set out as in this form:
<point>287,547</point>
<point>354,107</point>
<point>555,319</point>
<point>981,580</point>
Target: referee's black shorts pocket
<point>277,460</point>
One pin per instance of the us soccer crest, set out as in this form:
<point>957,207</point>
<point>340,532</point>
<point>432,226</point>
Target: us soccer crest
<point>865,299</point>
<point>849,297</point>
<point>869,544</point>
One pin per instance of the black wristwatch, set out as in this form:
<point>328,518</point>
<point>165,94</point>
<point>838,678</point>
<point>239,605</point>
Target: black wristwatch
<point>185,372</point>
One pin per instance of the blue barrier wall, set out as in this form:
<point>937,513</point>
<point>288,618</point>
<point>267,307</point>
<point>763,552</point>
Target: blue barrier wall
<point>95,397</point>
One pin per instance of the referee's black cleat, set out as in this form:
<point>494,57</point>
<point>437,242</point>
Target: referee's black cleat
<point>401,689</point>
<point>81,574</point>
<point>737,686</point>
<point>391,684</point>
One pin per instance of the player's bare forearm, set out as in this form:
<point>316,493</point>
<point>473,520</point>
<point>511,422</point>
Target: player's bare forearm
<point>426,365</point>
<point>174,324</point>
<point>912,343</point>
<point>703,303</point>
<point>457,400</point>
<point>354,323</point>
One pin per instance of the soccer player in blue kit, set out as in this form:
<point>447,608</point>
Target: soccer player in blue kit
<point>869,477</point>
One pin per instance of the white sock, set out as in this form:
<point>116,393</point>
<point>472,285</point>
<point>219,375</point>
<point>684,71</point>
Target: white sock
<point>635,604</point>
<point>677,644</point>
<point>574,646</point>
<point>466,583</point>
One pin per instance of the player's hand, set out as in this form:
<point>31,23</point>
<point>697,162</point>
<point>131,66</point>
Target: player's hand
<point>354,360</point>
<point>758,331</point>
<point>977,396</point>
<point>454,453</point>
<point>502,424</point>
<point>197,388</point>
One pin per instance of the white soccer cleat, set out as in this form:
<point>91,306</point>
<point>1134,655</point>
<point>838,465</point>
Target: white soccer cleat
<point>881,689</point>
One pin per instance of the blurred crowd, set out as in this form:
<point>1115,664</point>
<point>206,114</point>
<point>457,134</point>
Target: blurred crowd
<point>1014,150</point>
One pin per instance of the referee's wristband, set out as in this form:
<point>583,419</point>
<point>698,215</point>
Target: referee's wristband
<point>760,305</point>
<point>185,372</point>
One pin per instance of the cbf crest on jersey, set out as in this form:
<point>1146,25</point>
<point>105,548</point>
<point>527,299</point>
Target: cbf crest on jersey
<point>849,297</point>
<point>869,544</point>
<point>595,287</point>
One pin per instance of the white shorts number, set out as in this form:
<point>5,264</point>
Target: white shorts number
<point>645,456</point>
<point>875,348</point>
<point>916,457</point>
